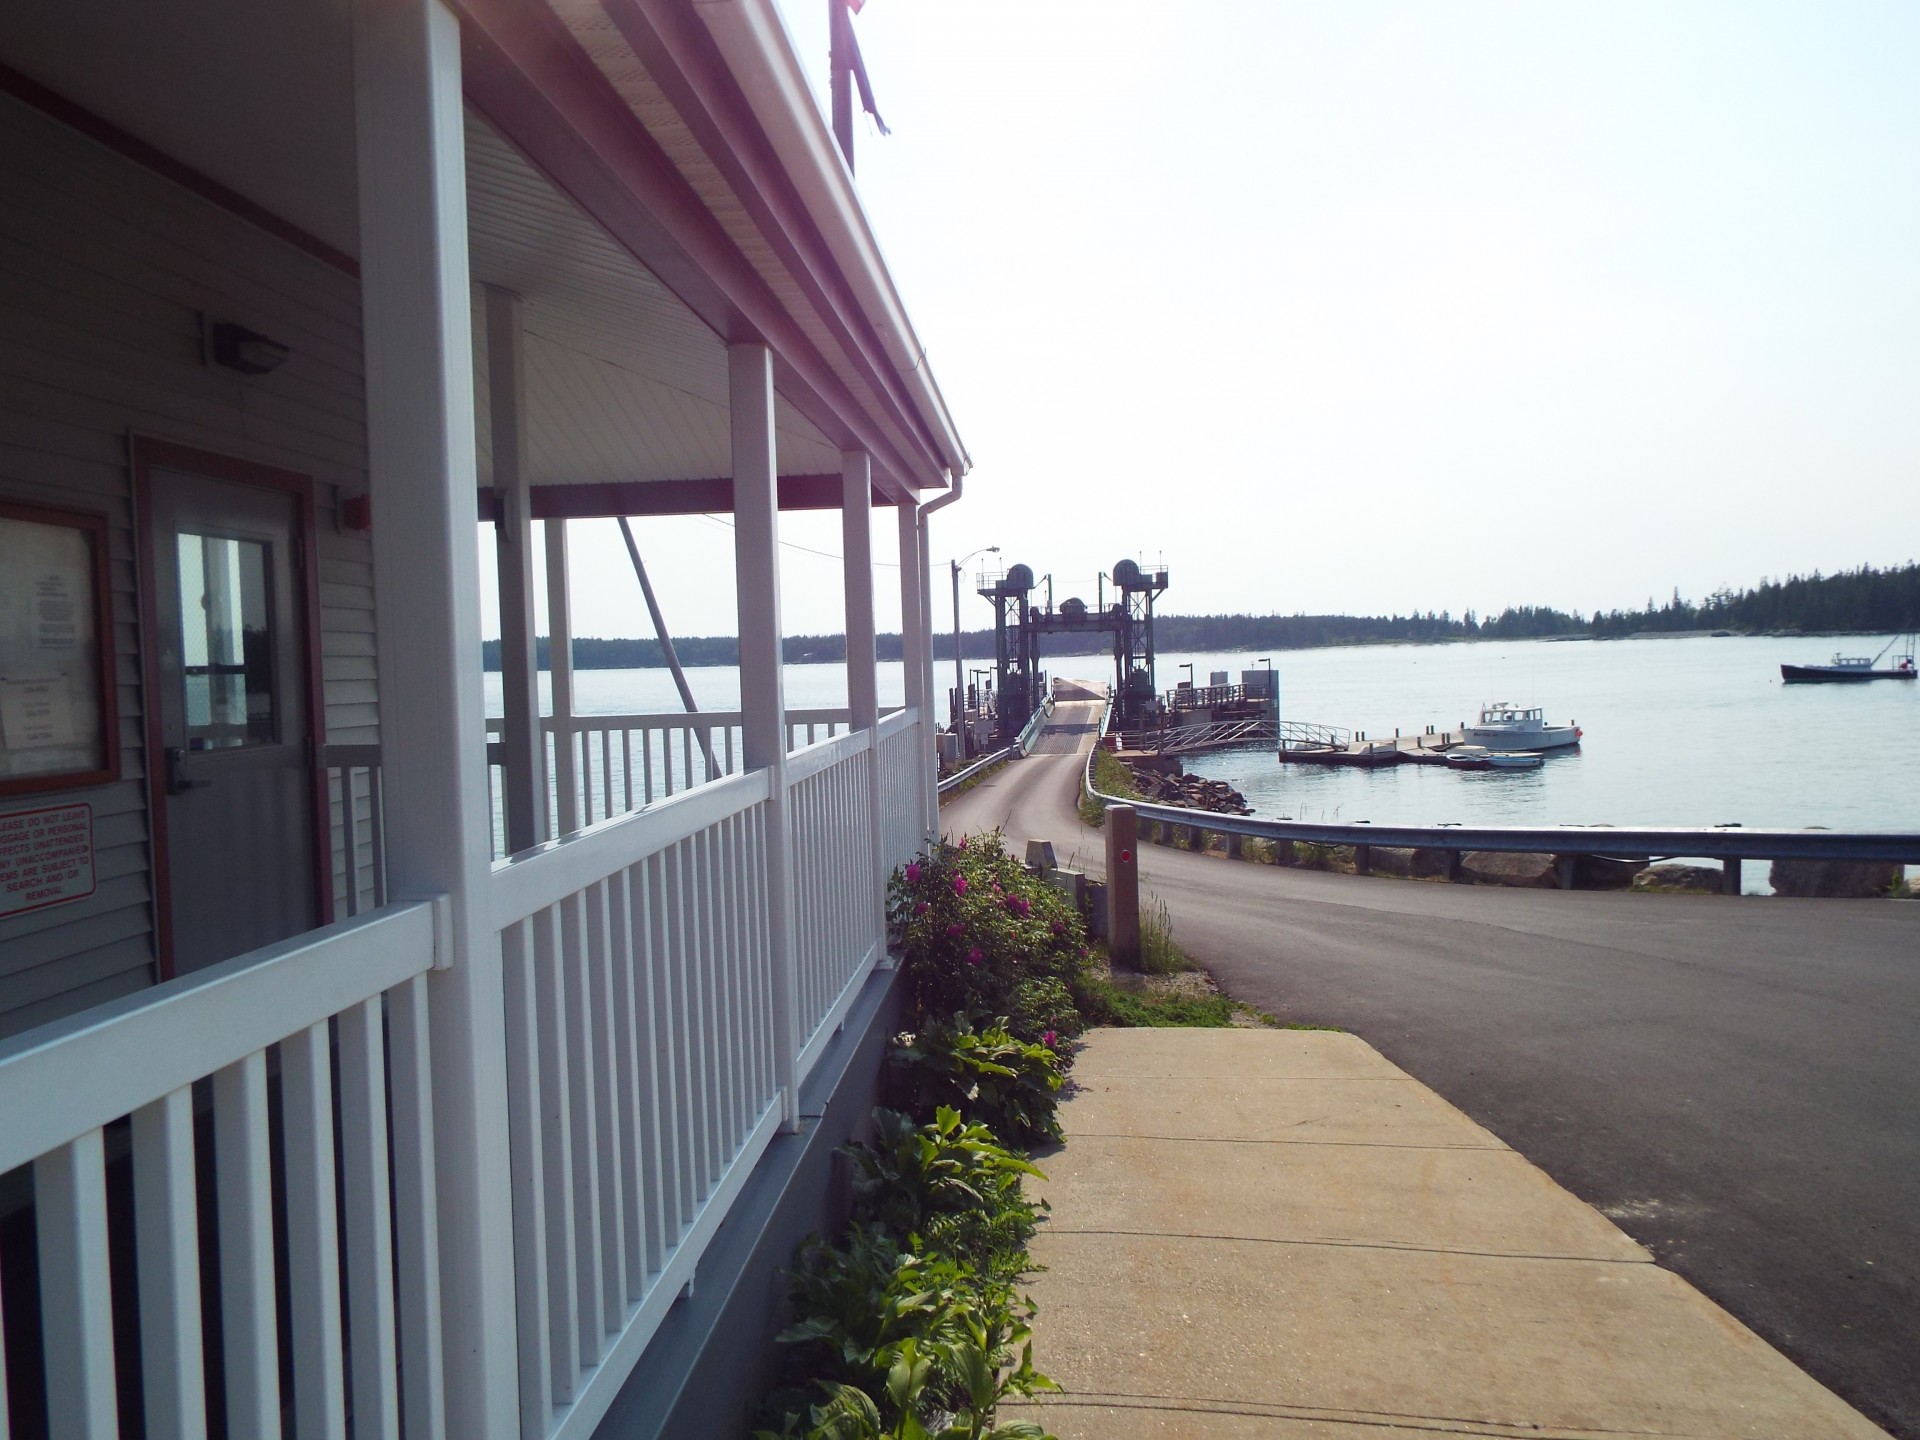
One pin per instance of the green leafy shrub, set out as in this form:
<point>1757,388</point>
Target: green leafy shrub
<point>989,1075</point>
<point>950,1185</point>
<point>977,931</point>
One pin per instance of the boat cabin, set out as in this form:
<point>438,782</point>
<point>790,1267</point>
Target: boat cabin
<point>370,1064</point>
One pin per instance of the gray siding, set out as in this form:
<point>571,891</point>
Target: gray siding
<point>105,270</point>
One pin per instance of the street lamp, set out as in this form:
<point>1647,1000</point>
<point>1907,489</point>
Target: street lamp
<point>959,677</point>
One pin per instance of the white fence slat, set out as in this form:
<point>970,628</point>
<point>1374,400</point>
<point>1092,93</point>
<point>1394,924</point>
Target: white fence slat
<point>531,1303</point>
<point>688,1142</point>
<point>167,1248</point>
<point>606,1109</point>
<point>654,1048</point>
<point>76,1297</point>
<point>624,1110</point>
<point>556,1133</point>
<point>582,1170</point>
<point>313,1234</point>
<point>368,1222</point>
<point>248,1330</point>
<point>416,1209</point>
<point>109,1061</point>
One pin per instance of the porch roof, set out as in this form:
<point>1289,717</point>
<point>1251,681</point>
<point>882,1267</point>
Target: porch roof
<point>652,177</point>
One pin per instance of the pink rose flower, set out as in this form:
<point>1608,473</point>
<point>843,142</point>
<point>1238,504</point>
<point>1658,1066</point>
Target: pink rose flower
<point>913,872</point>
<point>1019,906</point>
<point>974,957</point>
<point>955,930</point>
<point>1048,1038</point>
<point>959,884</point>
<point>1059,928</point>
<point>920,908</point>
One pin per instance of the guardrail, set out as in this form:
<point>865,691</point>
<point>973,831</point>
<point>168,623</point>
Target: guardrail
<point>1020,749</point>
<point>1730,844</point>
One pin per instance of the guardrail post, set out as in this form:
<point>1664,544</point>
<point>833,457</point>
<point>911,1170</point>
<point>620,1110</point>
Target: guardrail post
<point>1123,885</point>
<point>1363,859</point>
<point>1730,877</point>
<point>763,727</point>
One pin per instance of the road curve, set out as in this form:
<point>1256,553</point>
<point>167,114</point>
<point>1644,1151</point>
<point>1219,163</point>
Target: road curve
<point>1736,1082</point>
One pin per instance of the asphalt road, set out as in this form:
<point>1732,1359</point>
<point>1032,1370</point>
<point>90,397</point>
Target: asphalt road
<point>1736,1082</point>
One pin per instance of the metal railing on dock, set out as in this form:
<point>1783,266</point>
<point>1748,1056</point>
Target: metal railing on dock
<point>1729,844</point>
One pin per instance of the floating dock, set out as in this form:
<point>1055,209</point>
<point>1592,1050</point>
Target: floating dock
<point>1364,752</point>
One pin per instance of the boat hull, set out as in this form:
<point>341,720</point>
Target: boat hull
<point>1838,675</point>
<point>1553,737</point>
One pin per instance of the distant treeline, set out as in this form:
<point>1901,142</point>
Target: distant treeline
<point>1863,600</point>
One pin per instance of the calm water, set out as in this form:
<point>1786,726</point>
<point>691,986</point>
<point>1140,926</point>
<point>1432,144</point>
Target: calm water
<point>1678,732</point>
<point>1693,731</point>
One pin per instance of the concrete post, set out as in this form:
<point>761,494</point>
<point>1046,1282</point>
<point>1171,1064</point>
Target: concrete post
<point>522,747</point>
<point>863,692</point>
<point>1123,886</point>
<point>763,706</point>
<point>566,816</point>
<point>416,319</point>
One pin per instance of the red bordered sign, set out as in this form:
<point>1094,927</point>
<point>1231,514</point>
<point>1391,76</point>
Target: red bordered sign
<point>46,857</point>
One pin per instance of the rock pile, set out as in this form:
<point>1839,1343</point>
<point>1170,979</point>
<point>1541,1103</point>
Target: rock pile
<point>1215,796</point>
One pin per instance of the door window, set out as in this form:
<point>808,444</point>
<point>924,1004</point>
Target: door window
<point>226,631</point>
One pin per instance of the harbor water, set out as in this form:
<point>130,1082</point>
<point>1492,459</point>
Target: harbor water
<point>1678,731</point>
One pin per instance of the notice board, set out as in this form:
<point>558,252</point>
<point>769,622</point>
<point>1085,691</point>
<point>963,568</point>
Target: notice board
<point>46,857</point>
<point>57,722</point>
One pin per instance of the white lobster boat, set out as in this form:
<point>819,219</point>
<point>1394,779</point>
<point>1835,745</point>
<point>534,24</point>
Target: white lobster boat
<point>1510,727</point>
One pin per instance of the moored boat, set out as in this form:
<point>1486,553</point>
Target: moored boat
<point>1851,669</point>
<point>1479,757</point>
<point>1511,727</point>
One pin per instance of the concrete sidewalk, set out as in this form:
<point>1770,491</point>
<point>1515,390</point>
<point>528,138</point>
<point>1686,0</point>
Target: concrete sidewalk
<point>1277,1233</point>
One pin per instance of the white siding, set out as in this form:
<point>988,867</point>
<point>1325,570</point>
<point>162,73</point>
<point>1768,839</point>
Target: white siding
<point>105,269</point>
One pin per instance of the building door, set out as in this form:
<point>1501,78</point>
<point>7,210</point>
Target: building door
<point>234,768</point>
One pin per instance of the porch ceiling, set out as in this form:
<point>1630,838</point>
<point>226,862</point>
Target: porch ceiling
<point>625,384</point>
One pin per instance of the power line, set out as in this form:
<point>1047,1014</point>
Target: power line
<point>807,549</point>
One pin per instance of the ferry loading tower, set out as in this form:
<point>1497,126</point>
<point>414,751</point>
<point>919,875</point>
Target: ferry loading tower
<point>1015,648</point>
<point>1133,649</point>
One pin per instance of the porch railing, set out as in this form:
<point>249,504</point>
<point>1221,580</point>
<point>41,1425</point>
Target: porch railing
<point>622,763</point>
<point>837,924</point>
<point>900,763</point>
<point>641,1075</point>
<point>306,1061</point>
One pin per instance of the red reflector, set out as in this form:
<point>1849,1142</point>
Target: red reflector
<point>1126,857</point>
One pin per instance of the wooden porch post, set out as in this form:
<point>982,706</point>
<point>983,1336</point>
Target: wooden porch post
<point>914,657</point>
<point>763,718</point>
<point>416,309</point>
<point>566,781</point>
<point>863,694</point>
<point>523,782</point>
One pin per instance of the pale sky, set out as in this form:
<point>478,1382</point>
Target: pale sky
<point>1371,306</point>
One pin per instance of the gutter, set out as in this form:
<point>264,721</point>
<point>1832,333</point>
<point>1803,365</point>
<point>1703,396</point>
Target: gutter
<point>754,41</point>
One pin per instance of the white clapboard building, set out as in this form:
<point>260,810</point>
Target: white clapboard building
<point>368,1067</point>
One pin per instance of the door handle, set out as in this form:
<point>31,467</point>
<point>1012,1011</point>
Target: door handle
<point>177,781</point>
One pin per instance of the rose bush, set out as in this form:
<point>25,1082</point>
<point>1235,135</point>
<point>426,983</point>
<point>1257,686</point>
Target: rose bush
<point>982,937</point>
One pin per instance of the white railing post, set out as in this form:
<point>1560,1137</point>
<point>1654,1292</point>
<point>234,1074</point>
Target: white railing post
<point>566,815</point>
<point>929,755</point>
<point>863,689</point>
<point>756,552</point>
<point>915,658</point>
<point>523,747</point>
<point>416,318</point>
